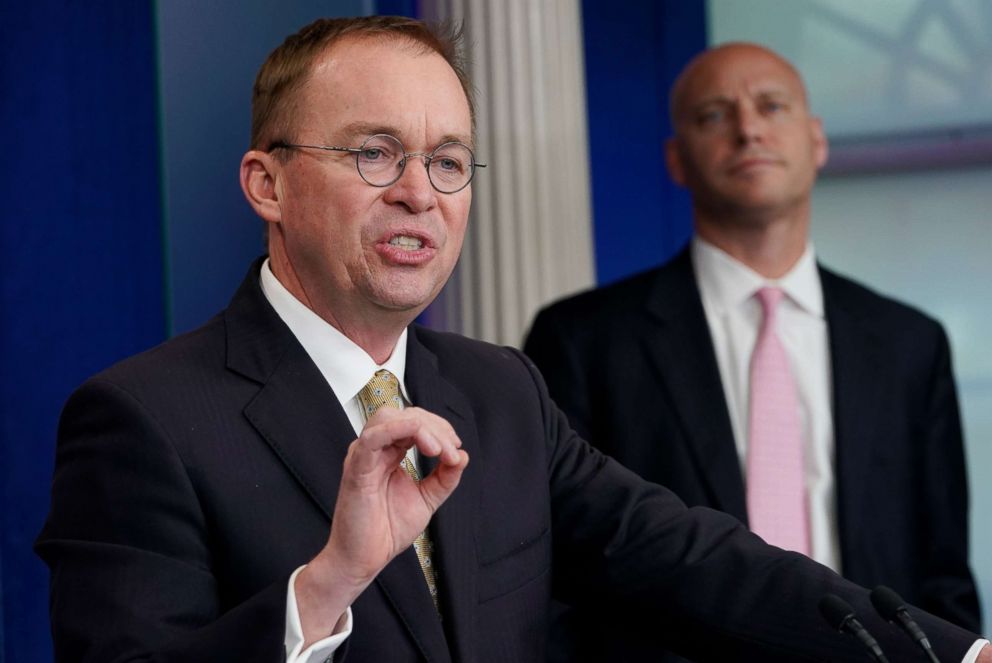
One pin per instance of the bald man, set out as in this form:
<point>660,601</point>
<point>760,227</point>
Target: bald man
<point>667,371</point>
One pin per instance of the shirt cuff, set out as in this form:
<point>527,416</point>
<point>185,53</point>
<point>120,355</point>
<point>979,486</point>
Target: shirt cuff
<point>972,654</point>
<point>320,651</point>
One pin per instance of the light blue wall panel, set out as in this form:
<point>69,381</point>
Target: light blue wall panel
<point>924,237</point>
<point>209,53</point>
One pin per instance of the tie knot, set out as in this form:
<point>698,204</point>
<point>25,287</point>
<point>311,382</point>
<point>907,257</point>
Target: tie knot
<point>769,297</point>
<point>382,390</point>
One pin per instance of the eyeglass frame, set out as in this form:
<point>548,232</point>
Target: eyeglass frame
<point>427,157</point>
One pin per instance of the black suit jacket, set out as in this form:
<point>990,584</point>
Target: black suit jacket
<point>633,366</point>
<point>192,479</point>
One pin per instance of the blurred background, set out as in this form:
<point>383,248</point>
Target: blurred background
<point>123,224</point>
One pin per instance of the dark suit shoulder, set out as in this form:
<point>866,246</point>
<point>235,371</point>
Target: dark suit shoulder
<point>189,381</point>
<point>883,314</point>
<point>242,345</point>
<point>608,313</point>
<point>171,360</point>
<point>599,318</point>
<point>625,295</point>
<point>466,359</point>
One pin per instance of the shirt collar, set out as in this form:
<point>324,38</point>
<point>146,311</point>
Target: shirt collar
<point>726,283</point>
<point>345,366</point>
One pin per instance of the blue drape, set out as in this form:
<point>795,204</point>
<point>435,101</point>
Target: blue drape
<point>633,52</point>
<point>80,249</point>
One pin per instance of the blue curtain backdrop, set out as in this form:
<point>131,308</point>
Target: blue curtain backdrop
<point>81,276</point>
<point>633,52</point>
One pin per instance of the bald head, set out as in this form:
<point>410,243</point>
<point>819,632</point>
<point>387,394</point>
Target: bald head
<point>715,68</point>
<point>748,150</point>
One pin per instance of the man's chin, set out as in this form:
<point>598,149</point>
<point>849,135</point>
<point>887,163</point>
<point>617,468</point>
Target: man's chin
<point>405,301</point>
<point>757,202</point>
<point>406,289</point>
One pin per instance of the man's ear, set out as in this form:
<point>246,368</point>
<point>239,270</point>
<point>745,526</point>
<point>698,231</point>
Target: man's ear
<point>674,161</point>
<point>821,148</point>
<point>258,182</point>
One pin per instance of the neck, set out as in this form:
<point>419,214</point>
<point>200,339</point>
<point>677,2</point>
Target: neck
<point>769,246</point>
<point>376,332</point>
<point>378,346</point>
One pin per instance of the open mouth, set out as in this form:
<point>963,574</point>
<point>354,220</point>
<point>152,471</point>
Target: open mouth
<point>406,242</point>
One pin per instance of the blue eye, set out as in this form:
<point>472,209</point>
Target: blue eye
<point>380,150</point>
<point>771,106</point>
<point>451,163</point>
<point>448,164</point>
<point>710,117</point>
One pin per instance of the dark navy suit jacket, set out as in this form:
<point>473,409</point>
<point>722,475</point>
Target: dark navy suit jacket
<point>192,479</point>
<point>633,366</point>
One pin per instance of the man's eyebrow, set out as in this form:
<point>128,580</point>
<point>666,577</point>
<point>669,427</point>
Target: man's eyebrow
<point>777,92</point>
<point>710,101</point>
<point>362,130</point>
<point>456,138</point>
<point>366,129</point>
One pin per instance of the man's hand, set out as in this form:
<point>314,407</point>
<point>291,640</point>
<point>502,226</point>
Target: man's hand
<point>985,655</point>
<point>380,510</point>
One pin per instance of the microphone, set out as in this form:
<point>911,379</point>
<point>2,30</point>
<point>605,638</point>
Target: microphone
<point>840,615</point>
<point>891,606</point>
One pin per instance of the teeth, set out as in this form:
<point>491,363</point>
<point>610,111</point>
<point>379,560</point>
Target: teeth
<point>405,242</point>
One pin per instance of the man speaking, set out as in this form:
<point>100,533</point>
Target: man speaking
<point>310,476</point>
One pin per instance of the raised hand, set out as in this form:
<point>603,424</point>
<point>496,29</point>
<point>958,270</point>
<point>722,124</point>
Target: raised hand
<point>380,510</point>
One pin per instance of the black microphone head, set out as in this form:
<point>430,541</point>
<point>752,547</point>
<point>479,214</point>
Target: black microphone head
<point>836,611</point>
<point>887,602</point>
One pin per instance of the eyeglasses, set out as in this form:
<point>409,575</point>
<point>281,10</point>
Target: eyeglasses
<point>381,160</point>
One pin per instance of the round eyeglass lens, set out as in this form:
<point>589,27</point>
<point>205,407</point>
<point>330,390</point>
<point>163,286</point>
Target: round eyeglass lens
<point>451,167</point>
<point>380,162</point>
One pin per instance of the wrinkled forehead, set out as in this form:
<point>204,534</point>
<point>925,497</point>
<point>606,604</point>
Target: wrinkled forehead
<point>387,82</point>
<point>733,69</point>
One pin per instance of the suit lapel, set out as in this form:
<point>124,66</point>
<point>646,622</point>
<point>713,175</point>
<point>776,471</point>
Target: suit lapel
<point>854,366</point>
<point>677,343</point>
<point>453,526</point>
<point>294,411</point>
<point>298,416</point>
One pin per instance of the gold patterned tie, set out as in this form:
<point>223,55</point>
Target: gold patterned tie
<point>384,390</point>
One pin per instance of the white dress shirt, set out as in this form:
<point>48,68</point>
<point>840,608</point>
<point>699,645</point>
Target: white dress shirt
<point>727,288</point>
<point>347,368</point>
<point>733,314</point>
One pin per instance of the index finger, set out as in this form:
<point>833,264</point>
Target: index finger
<point>400,431</point>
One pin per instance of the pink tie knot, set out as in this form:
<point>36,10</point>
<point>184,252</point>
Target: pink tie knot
<point>769,297</point>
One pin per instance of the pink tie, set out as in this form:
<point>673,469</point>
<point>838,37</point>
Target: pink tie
<point>776,489</point>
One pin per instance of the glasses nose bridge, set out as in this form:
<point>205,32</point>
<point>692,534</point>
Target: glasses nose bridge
<point>425,157</point>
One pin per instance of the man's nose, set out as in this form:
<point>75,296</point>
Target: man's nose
<point>749,124</point>
<point>413,189</point>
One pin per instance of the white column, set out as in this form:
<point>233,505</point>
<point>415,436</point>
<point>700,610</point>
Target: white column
<point>530,231</point>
